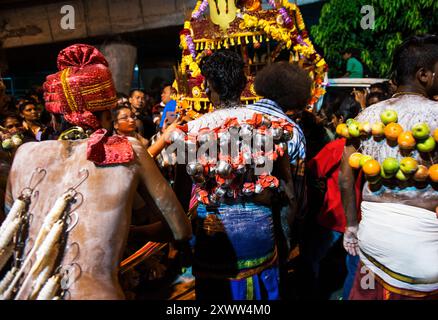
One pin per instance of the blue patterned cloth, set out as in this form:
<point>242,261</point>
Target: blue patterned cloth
<point>297,145</point>
<point>261,286</point>
<point>235,241</point>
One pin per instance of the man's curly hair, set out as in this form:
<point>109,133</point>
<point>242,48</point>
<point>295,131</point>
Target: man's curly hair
<point>224,70</point>
<point>287,84</point>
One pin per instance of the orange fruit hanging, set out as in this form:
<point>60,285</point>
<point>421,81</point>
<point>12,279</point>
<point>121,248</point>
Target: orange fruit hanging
<point>354,160</point>
<point>433,173</point>
<point>421,174</point>
<point>339,128</point>
<point>392,131</point>
<point>406,140</point>
<point>371,168</point>
<point>435,135</point>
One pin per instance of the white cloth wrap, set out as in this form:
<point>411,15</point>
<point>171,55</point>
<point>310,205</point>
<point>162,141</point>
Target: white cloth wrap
<point>402,238</point>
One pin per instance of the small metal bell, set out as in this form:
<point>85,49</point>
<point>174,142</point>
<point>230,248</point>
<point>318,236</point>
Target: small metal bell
<point>220,192</point>
<point>287,135</point>
<point>194,168</point>
<point>223,168</point>
<point>245,131</point>
<point>258,188</point>
<point>277,133</point>
<point>266,122</point>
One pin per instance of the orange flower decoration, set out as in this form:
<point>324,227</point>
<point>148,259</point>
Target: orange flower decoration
<point>230,122</point>
<point>268,181</point>
<point>256,119</point>
<point>249,186</point>
<point>203,196</point>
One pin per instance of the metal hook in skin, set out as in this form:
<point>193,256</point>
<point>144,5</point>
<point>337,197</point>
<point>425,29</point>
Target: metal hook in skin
<point>83,179</point>
<point>35,172</point>
<point>72,222</point>
<point>74,198</point>
<point>73,269</point>
<point>70,247</point>
<point>27,191</point>
<point>35,195</point>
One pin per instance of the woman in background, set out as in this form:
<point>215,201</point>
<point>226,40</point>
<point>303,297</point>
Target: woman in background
<point>32,125</point>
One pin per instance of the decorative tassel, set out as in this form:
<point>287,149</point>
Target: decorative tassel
<point>6,281</point>
<point>8,234</point>
<point>49,290</point>
<point>239,42</point>
<point>17,208</point>
<point>45,273</point>
<point>47,246</point>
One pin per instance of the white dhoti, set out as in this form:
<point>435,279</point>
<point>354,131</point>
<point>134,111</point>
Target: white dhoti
<point>399,243</point>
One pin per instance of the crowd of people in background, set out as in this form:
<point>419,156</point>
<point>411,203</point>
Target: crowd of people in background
<point>138,116</point>
<point>321,221</point>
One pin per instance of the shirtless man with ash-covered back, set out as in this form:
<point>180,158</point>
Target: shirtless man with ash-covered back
<point>109,171</point>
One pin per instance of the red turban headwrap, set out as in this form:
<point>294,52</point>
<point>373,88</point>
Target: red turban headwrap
<point>82,86</point>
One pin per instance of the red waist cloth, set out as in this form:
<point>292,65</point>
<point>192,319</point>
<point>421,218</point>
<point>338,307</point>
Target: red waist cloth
<point>105,150</point>
<point>326,164</point>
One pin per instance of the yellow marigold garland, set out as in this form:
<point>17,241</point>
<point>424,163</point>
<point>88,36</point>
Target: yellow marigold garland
<point>273,29</point>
